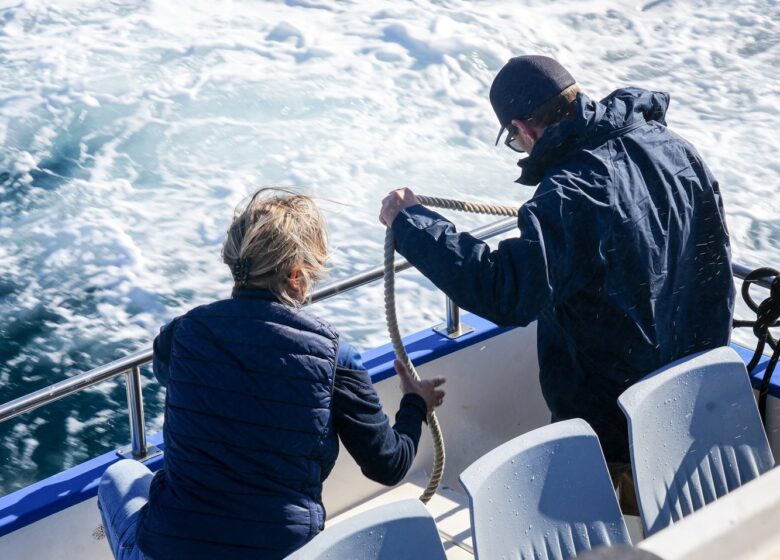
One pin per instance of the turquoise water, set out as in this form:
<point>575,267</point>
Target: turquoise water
<point>129,130</point>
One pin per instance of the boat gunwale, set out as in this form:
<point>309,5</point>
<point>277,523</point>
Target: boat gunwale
<point>79,483</point>
<point>56,493</point>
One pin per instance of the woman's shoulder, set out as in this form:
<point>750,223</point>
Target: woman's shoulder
<point>312,320</point>
<point>234,312</point>
<point>214,308</point>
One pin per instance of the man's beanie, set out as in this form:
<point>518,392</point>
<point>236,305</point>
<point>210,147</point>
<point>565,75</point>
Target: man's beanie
<point>524,84</point>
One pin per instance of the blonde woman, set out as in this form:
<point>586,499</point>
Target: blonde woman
<point>259,393</point>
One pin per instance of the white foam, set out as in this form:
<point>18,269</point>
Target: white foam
<point>173,112</point>
<point>130,130</point>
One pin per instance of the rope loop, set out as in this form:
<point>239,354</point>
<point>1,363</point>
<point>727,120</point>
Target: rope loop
<point>767,312</point>
<point>439,454</point>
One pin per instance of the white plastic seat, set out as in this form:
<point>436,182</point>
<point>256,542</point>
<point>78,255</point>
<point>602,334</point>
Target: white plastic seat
<point>394,531</point>
<point>545,494</point>
<point>695,434</point>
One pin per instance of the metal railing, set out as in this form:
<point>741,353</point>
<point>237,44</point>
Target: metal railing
<point>741,271</point>
<point>131,364</point>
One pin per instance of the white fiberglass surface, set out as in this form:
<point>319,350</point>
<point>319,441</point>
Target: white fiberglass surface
<point>130,129</point>
<point>740,525</point>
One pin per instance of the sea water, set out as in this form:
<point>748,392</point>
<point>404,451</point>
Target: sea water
<point>129,130</point>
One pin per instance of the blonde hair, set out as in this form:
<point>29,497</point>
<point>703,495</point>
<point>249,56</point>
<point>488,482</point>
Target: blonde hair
<point>555,109</point>
<point>278,231</point>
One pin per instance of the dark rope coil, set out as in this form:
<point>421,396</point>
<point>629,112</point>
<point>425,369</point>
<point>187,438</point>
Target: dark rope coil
<point>767,315</point>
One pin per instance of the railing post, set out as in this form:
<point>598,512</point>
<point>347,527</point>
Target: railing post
<point>453,317</point>
<point>135,406</point>
<point>453,328</point>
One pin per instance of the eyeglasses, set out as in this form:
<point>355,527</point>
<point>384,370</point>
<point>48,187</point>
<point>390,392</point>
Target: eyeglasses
<point>511,140</point>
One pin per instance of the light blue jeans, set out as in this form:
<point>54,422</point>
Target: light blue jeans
<point>123,491</point>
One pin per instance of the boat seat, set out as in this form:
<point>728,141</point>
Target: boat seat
<point>694,433</point>
<point>544,494</point>
<point>402,529</point>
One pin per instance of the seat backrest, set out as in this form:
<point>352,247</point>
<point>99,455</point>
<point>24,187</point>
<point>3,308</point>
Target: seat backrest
<point>545,494</point>
<point>695,434</point>
<point>403,529</point>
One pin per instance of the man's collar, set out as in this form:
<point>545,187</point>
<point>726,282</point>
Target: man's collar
<point>559,139</point>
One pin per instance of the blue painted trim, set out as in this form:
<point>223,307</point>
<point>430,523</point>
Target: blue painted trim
<point>80,483</point>
<point>428,345</point>
<point>61,491</point>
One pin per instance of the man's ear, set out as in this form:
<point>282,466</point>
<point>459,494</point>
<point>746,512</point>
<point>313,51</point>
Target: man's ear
<point>525,129</point>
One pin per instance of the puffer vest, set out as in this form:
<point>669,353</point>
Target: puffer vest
<point>248,433</point>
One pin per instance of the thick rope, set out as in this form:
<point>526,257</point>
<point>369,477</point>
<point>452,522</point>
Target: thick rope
<point>403,357</point>
<point>473,207</point>
<point>392,323</point>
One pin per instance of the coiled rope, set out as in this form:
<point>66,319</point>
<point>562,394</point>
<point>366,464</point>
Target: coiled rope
<point>392,321</point>
<point>767,315</point>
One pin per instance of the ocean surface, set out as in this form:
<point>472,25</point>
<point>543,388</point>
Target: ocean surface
<point>130,129</point>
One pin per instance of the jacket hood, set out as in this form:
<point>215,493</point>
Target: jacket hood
<point>594,122</point>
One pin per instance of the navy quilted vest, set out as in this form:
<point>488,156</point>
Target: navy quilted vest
<point>248,433</point>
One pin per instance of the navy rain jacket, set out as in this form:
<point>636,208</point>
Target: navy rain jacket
<point>623,257</point>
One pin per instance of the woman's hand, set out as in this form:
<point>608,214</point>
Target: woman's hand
<point>427,388</point>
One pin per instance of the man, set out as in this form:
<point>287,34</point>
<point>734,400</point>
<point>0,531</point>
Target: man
<point>623,254</point>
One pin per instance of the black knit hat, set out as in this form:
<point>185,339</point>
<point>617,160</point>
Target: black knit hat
<point>524,84</point>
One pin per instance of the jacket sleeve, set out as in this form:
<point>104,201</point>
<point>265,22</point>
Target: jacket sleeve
<point>384,453</point>
<point>161,356</point>
<point>557,254</point>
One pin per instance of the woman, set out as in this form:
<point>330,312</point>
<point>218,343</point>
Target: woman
<point>258,394</point>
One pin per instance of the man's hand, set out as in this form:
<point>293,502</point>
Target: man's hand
<point>426,388</point>
<point>394,202</point>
